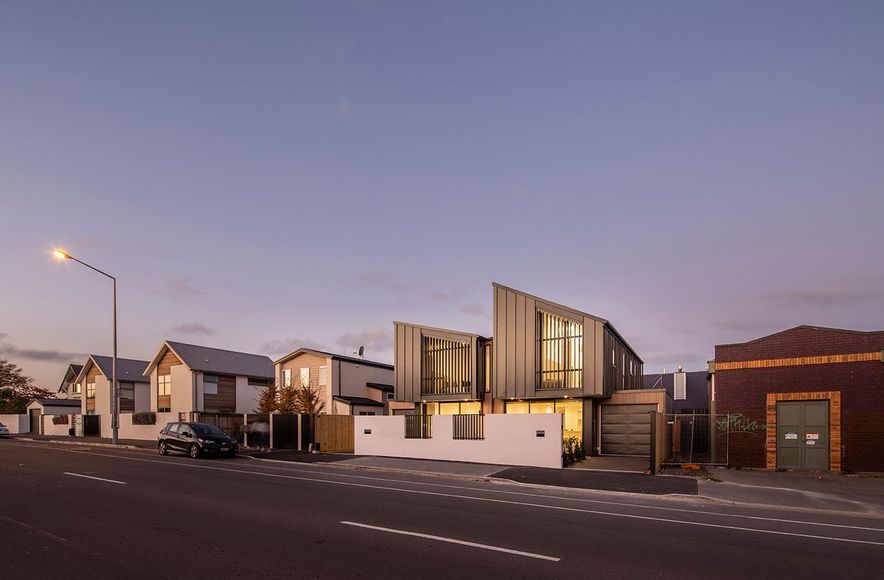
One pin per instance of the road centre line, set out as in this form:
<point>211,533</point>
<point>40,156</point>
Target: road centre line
<point>96,478</point>
<point>454,541</point>
<point>495,500</point>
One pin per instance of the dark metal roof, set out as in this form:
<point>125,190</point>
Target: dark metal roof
<point>360,401</point>
<point>381,387</point>
<point>341,357</point>
<point>57,402</point>
<point>225,362</point>
<point>128,369</point>
<point>808,326</point>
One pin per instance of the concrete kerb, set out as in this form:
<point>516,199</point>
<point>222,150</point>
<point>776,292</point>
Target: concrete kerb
<point>80,443</point>
<point>395,470</point>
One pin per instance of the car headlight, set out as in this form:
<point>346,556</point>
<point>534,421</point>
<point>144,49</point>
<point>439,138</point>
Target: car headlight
<point>205,441</point>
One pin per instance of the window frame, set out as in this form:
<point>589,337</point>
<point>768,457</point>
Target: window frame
<point>559,352</point>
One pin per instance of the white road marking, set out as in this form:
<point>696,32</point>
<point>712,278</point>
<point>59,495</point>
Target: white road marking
<point>454,541</point>
<point>93,477</point>
<point>487,499</point>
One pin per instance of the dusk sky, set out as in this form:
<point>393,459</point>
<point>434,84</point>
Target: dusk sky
<point>266,175</point>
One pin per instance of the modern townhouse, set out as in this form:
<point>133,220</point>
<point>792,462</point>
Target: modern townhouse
<point>544,357</point>
<point>346,385</point>
<point>187,378</point>
<point>97,400</point>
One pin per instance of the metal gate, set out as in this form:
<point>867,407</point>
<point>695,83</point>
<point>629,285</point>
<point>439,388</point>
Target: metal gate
<point>231,423</point>
<point>697,438</point>
<point>285,431</point>
<point>92,425</point>
<point>803,435</point>
<point>626,429</point>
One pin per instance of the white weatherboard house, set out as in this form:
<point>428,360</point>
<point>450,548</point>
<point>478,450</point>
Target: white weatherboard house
<point>188,378</point>
<point>346,385</point>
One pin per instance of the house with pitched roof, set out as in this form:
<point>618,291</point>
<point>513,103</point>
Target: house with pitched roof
<point>96,403</point>
<point>188,378</point>
<point>346,385</point>
<point>69,387</point>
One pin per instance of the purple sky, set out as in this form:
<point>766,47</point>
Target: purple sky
<point>262,176</point>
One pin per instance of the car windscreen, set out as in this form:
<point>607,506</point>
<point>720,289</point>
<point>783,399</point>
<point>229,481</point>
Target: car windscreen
<point>208,430</point>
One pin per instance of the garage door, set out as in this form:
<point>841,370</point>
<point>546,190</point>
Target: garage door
<point>626,429</point>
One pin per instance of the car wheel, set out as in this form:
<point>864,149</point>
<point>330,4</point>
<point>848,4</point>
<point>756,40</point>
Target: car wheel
<point>163,449</point>
<point>194,451</point>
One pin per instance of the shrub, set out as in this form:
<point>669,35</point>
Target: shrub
<point>60,420</point>
<point>144,418</point>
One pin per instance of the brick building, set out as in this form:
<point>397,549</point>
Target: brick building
<point>804,398</point>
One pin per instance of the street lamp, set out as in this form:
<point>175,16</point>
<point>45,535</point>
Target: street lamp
<point>115,388</point>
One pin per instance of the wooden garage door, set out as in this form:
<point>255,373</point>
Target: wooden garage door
<point>626,429</point>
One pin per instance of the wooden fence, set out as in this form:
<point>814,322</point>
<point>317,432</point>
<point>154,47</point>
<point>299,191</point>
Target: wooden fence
<point>334,433</point>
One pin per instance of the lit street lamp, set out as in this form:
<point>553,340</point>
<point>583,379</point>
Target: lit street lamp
<point>115,388</point>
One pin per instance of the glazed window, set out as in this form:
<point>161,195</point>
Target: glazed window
<point>560,352</point>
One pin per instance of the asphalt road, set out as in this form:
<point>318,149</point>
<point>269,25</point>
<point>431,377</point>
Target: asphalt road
<point>74,512</point>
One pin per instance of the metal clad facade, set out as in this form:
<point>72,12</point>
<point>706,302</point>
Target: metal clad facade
<point>409,360</point>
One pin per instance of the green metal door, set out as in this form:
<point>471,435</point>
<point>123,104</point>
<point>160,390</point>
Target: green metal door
<point>803,435</point>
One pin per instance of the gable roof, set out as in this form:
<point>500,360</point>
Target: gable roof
<point>808,327</point>
<point>216,360</point>
<point>128,369</point>
<point>73,371</point>
<point>333,356</point>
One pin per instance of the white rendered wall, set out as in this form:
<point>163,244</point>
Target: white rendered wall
<point>144,432</point>
<point>247,396</point>
<point>16,423</point>
<point>509,440</point>
<point>183,389</point>
<point>49,428</point>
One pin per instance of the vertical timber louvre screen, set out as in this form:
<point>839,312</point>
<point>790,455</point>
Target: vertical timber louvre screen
<point>418,426</point>
<point>446,367</point>
<point>560,352</point>
<point>471,427</point>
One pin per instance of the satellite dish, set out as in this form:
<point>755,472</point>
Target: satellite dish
<point>361,351</point>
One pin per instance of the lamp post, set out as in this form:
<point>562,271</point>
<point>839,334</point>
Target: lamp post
<point>115,387</point>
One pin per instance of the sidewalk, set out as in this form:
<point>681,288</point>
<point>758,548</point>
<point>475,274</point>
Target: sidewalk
<point>575,478</point>
<point>797,490</point>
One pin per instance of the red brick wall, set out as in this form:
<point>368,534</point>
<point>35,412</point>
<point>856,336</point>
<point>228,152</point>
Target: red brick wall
<point>861,385</point>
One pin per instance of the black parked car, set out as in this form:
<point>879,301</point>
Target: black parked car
<point>195,439</point>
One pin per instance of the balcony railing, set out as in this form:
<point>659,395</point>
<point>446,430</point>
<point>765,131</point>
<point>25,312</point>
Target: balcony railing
<point>443,386</point>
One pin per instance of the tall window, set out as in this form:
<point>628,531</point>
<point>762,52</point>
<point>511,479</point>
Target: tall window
<point>90,390</point>
<point>445,368</point>
<point>164,393</point>
<point>560,352</point>
<point>323,376</point>
<point>127,397</point>
<point>305,377</point>
<point>287,377</point>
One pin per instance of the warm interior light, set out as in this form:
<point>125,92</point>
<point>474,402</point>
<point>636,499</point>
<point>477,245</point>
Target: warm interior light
<point>59,254</point>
